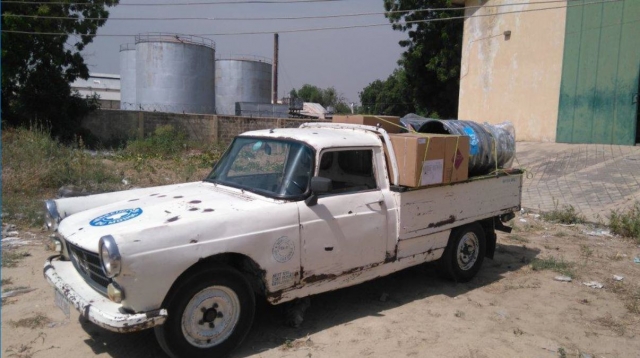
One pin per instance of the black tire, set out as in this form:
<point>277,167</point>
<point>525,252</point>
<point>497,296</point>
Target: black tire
<point>233,315</point>
<point>468,243</point>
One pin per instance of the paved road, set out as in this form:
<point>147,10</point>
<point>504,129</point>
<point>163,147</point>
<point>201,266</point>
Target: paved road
<point>594,178</point>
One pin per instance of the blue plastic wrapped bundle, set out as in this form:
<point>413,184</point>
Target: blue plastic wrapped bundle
<point>491,147</point>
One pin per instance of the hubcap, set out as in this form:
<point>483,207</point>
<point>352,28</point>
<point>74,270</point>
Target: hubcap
<point>211,316</point>
<point>468,249</point>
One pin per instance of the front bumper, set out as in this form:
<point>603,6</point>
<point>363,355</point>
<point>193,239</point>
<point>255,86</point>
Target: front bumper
<point>94,306</point>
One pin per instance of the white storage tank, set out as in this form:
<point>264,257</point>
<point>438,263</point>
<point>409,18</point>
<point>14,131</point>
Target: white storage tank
<point>242,78</point>
<point>128,76</point>
<point>175,73</point>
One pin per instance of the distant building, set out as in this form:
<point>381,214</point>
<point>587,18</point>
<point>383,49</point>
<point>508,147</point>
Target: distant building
<point>105,85</point>
<point>565,72</point>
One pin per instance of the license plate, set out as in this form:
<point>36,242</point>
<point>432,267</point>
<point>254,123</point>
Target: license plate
<point>62,302</point>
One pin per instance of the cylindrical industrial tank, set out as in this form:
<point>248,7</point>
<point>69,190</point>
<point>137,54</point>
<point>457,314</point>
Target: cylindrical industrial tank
<point>128,76</point>
<point>175,73</point>
<point>242,79</point>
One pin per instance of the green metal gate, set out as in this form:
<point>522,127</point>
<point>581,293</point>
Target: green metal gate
<point>600,73</point>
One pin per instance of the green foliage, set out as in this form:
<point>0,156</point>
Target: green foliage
<point>626,223</point>
<point>392,96</point>
<point>34,164</point>
<point>165,142</point>
<point>566,215</point>
<point>432,57</point>
<point>328,97</point>
<point>37,69</point>
<point>560,266</point>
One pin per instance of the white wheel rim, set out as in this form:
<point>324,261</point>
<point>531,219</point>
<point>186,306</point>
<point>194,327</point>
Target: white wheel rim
<point>467,252</point>
<point>211,316</point>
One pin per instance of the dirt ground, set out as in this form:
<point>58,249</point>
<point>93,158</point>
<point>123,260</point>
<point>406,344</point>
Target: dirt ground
<point>508,310</point>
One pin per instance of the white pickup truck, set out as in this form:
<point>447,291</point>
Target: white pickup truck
<point>285,213</point>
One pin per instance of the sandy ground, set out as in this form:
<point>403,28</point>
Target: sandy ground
<point>508,310</point>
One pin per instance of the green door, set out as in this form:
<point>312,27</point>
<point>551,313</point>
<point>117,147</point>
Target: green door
<point>600,73</point>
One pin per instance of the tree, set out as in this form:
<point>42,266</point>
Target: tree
<point>37,69</point>
<point>328,97</point>
<point>432,57</point>
<point>392,96</point>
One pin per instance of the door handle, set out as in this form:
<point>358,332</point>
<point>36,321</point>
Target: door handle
<point>328,248</point>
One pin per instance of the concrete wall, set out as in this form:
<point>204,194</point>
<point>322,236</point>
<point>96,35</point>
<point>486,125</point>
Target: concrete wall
<point>516,77</point>
<point>117,125</point>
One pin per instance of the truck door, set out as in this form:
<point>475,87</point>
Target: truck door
<point>347,228</point>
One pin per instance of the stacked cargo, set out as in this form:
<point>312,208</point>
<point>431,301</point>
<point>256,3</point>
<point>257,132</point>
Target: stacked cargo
<point>423,159</point>
<point>430,159</point>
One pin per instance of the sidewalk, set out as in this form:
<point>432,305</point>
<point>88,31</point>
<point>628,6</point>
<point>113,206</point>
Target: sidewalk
<point>594,178</point>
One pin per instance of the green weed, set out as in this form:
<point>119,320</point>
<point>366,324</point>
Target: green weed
<point>565,215</point>
<point>165,142</point>
<point>626,223</point>
<point>560,266</point>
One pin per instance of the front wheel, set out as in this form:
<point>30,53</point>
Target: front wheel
<point>210,314</point>
<point>464,253</point>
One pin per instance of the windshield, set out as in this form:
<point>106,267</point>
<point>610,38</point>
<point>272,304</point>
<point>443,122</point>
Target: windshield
<point>271,167</point>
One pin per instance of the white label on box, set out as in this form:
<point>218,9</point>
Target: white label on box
<point>422,141</point>
<point>432,172</point>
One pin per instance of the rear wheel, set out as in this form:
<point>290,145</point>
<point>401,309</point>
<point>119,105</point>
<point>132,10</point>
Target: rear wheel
<point>464,254</point>
<point>210,314</point>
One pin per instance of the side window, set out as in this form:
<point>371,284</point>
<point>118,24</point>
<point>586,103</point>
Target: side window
<point>349,170</point>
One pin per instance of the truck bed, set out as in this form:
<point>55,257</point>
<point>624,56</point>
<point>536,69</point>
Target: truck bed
<point>429,210</point>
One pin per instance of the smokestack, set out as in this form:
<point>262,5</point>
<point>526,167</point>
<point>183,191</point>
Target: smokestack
<point>274,80</point>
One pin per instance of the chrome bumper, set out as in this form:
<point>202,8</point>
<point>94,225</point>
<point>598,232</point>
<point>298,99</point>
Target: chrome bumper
<point>94,306</point>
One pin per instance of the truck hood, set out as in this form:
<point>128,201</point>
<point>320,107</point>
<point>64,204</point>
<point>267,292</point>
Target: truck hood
<point>199,203</point>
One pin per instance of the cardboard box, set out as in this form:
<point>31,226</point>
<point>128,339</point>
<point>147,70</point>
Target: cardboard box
<point>420,158</point>
<point>428,159</point>
<point>391,124</point>
<point>456,165</point>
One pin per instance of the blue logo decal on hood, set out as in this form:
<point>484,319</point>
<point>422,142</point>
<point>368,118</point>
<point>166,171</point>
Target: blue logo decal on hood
<point>116,217</point>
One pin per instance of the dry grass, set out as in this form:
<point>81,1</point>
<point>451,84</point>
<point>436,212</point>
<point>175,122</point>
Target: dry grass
<point>518,238</point>
<point>297,344</point>
<point>7,281</point>
<point>12,258</point>
<point>37,321</point>
<point>628,293</point>
<point>35,167</point>
<point>611,323</point>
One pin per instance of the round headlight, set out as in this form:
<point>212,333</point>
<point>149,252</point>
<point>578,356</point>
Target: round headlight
<point>51,217</point>
<point>109,256</point>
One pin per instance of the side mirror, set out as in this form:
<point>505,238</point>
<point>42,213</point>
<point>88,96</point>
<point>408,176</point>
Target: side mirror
<point>319,185</point>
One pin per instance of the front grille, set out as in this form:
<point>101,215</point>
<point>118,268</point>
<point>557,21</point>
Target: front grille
<point>88,265</point>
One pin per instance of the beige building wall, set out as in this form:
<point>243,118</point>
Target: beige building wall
<point>513,77</point>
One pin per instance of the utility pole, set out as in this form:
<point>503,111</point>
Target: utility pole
<point>274,80</point>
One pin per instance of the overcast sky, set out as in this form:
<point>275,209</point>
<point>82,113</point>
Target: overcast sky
<point>347,59</point>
